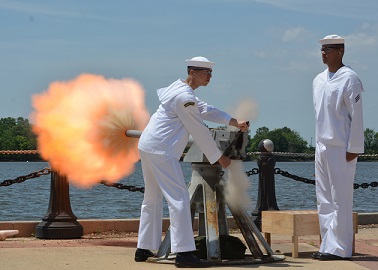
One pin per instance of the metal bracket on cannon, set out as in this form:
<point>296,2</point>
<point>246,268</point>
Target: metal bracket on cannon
<point>206,199</point>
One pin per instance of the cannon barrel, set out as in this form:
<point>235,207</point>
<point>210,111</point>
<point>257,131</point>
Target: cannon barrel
<point>137,133</point>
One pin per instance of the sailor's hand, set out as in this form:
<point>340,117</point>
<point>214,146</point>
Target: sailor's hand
<point>243,125</point>
<point>224,161</point>
<point>350,156</point>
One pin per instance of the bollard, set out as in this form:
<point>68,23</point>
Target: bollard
<point>266,193</point>
<point>59,222</point>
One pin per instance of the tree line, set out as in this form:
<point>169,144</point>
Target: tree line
<point>287,140</point>
<point>16,134</point>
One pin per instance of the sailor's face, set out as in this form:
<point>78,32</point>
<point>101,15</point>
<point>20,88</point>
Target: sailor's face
<point>329,53</point>
<point>203,75</point>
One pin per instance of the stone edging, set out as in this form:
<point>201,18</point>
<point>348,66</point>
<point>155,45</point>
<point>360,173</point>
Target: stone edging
<point>27,228</point>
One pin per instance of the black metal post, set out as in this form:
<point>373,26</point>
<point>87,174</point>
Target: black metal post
<point>266,193</point>
<point>59,222</point>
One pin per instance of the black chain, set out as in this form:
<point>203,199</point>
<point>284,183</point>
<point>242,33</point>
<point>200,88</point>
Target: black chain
<point>309,181</point>
<point>47,171</point>
<point>23,178</point>
<point>295,177</point>
<point>121,186</point>
<point>141,189</point>
<point>252,172</point>
<point>365,185</point>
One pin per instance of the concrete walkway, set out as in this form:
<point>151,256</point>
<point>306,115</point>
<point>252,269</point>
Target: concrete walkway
<point>115,250</point>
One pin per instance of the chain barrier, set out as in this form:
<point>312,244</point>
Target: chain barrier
<point>281,154</point>
<point>252,172</point>
<point>294,177</point>
<point>368,155</point>
<point>288,154</point>
<point>18,152</point>
<point>47,171</point>
<point>121,186</point>
<point>23,178</point>
<point>309,181</point>
<point>365,185</point>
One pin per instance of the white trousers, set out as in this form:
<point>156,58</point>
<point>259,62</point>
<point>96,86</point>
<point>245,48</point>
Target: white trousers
<point>334,191</point>
<point>163,177</point>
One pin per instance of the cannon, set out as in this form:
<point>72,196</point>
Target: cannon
<point>207,200</point>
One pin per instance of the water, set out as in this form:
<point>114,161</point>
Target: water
<point>29,200</point>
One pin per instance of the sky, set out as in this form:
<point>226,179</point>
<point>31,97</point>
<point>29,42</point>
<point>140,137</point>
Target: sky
<point>265,51</point>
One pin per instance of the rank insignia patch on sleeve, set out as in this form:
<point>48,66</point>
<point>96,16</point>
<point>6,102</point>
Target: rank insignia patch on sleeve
<point>357,98</point>
<point>191,103</point>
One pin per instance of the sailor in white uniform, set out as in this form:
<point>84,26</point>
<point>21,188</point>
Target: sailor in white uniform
<point>161,145</point>
<point>339,139</point>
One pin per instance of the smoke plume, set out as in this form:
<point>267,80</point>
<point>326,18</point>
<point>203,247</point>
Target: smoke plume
<point>247,110</point>
<point>236,186</point>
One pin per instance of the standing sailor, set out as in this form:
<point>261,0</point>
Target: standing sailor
<point>161,145</point>
<point>339,140</point>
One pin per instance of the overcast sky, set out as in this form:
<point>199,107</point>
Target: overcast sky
<point>265,50</point>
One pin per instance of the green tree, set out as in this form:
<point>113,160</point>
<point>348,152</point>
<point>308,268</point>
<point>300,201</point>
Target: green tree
<point>371,141</point>
<point>284,139</point>
<point>6,124</point>
<point>261,134</point>
<point>16,134</point>
<point>7,141</point>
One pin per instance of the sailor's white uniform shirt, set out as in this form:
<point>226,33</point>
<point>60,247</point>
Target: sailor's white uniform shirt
<point>179,115</point>
<point>338,109</point>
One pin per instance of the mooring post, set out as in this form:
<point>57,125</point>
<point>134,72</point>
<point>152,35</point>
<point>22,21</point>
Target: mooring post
<point>266,192</point>
<point>59,221</point>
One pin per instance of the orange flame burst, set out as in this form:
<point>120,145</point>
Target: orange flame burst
<point>81,127</point>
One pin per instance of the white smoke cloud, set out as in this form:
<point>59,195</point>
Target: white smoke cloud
<point>236,186</point>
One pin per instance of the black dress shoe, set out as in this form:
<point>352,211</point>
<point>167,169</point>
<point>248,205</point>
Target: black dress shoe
<point>141,255</point>
<point>188,260</point>
<point>315,255</point>
<point>330,257</point>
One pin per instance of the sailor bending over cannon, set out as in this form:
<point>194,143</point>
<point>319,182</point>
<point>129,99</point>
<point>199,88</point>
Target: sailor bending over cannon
<point>161,145</point>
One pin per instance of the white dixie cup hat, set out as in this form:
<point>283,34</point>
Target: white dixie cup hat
<point>199,61</point>
<point>332,39</point>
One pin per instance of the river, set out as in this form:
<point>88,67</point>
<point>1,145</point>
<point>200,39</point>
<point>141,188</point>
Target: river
<point>29,200</point>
